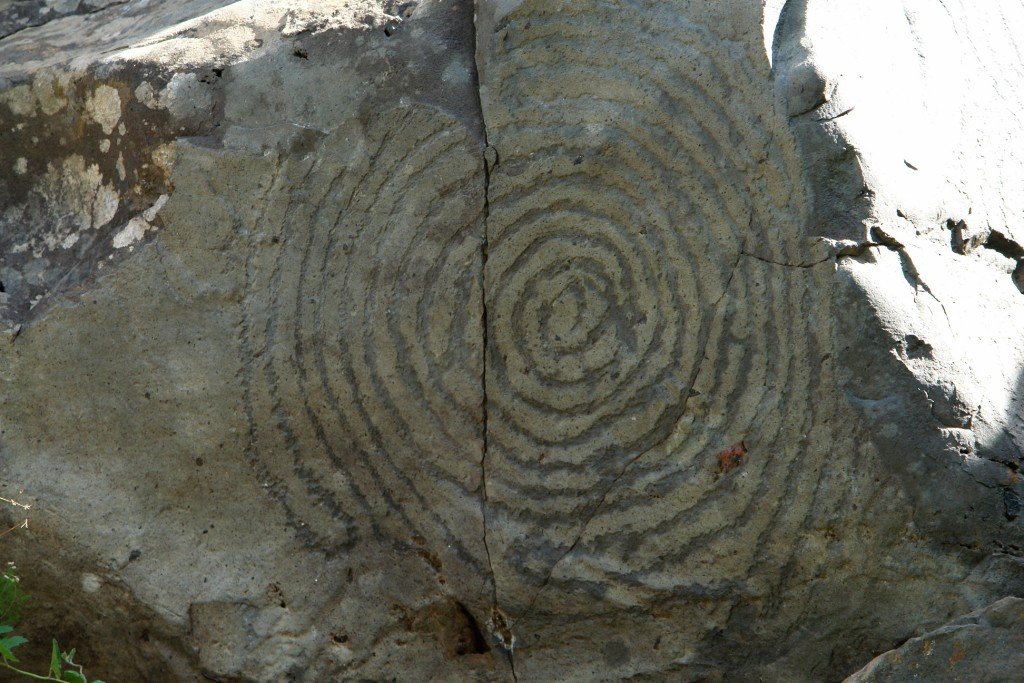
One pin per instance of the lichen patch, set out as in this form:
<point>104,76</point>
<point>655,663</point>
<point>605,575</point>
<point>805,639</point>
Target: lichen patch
<point>104,107</point>
<point>134,231</point>
<point>163,157</point>
<point>79,197</point>
<point>48,89</point>
<point>19,100</point>
<point>104,206</point>
<point>138,226</point>
<point>147,95</point>
<point>150,213</point>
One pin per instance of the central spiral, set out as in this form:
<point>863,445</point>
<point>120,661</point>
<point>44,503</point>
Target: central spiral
<point>584,358</point>
<point>629,340</point>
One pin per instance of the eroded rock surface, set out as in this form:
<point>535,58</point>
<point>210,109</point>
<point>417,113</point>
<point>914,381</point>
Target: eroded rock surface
<point>528,340</point>
<point>983,646</point>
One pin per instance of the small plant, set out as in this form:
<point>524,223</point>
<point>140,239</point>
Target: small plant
<point>62,664</point>
<point>63,668</point>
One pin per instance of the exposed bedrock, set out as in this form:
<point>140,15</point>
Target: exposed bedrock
<point>536,340</point>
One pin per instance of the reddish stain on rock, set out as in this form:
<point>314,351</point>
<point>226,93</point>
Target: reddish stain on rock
<point>732,457</point>
<point>959,653</point>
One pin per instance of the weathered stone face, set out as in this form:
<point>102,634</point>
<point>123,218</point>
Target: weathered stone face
<point>369,350</point>
<point>981,646</point>
<point>643,209</point>
<point>538,340</point>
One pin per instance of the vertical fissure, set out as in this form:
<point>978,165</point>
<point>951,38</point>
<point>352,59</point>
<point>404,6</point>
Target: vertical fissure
<point>498,624</point>
<point>483,370</point>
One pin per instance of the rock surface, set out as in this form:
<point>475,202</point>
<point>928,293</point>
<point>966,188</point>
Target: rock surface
<point>535,340</point>
<point>987,645</point>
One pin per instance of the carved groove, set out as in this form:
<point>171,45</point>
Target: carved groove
<point>627,343</point>
<point>366,391</point>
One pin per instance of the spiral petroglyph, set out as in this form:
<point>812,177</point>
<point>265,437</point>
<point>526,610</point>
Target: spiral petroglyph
<point>363,313</point>
<point>644,190</point>
<point>633,304</point>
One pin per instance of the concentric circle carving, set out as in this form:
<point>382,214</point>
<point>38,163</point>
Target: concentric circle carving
<point>364,320</point>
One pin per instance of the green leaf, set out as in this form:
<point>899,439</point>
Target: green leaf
<point>55,660</point>
<point>4,628</point>
<point>74,677</point>
<point>11,642</point>
<point>11,596</point>
<point>6,653</point>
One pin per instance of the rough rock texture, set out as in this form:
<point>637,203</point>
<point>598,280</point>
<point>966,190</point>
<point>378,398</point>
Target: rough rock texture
<point>536,339</point>
<point>987,645</point>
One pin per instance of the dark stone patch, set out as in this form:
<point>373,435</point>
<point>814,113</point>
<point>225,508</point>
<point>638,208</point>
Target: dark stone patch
<point>39,142</point>
<point>615,653</point>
